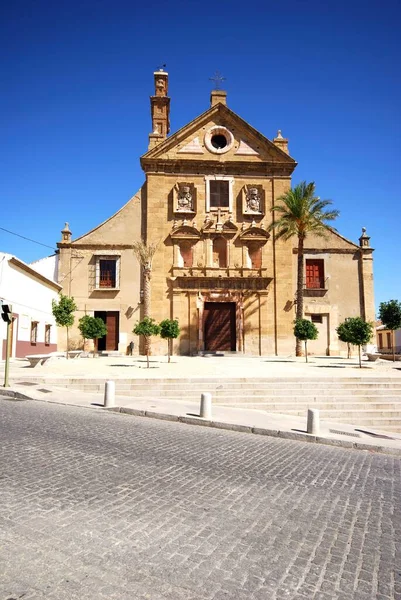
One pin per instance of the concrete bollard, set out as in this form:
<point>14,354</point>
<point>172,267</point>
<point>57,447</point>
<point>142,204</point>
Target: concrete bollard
<point>206,406</point>
<point>313,421</point>
<point>109,394</point>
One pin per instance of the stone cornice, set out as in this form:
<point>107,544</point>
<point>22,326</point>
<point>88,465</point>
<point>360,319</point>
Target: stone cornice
<point>328,250</point>
<point>94,246</point>
<point>205,167</point>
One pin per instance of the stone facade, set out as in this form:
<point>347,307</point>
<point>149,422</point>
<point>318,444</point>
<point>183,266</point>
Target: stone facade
<point>207,202</point>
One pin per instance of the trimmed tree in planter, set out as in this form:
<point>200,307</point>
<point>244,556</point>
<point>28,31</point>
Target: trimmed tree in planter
<point>169,330</point>
<point>390,316</point>
<point>146,328</point>
<point>63,313</point>
<point>92,328</point>
<point>345,335</point>
<point>359,332</point>
<point>305,330</point>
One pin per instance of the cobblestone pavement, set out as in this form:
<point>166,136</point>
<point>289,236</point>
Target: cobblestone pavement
<point>99,506</point>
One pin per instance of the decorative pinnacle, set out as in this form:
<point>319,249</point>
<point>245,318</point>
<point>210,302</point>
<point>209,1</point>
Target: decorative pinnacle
<point>218,79</point>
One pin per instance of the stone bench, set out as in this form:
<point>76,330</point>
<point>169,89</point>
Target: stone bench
<point>73,353</point>
<point>372,356</point>
<point>41,359</point>
<point>38,359</point>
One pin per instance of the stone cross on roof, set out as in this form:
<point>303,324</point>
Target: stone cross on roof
<point>218,79</point>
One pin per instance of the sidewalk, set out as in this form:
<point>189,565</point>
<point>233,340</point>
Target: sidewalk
<point>235,419</point>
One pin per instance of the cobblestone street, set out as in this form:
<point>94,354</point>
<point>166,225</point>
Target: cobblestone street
<point>96,506</point>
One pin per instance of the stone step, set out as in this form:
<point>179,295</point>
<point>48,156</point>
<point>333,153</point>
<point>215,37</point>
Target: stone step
<point>290,383</point>
<point>303,406</point>
<point>228,389</point>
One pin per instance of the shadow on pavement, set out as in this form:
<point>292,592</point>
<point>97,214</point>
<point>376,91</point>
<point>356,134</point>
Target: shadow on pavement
<point>280,361</point>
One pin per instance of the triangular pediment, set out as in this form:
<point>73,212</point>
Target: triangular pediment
<point>185,232</point>
<point>254,234</point>
<point>196,142</point>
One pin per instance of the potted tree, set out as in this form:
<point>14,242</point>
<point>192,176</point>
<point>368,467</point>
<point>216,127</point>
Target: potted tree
<point>92,328</point>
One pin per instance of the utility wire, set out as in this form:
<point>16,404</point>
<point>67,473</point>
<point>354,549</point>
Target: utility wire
<point>26,238</point>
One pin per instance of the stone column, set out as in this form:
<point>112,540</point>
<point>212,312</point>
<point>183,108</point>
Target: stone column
<point>366,281</point>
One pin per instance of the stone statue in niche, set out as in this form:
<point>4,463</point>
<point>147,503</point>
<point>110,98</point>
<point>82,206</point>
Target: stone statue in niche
<point>185,198</point>
<point>253,200</point>
<point>160,84</point>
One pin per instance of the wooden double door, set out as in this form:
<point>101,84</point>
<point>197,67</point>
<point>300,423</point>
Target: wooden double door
<point>219,326</point>
<point>111,319</point>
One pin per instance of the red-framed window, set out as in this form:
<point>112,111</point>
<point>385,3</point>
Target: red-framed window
<point>314,273</point>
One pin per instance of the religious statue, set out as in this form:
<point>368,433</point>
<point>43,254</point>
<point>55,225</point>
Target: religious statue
<point>253,199</point>
<point>185,198</point>
<point>160,84</point>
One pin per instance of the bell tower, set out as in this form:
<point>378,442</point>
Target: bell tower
<point>160,109</point>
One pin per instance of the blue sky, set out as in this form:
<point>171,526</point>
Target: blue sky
<point>74,108</point>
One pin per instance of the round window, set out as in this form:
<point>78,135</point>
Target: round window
<point>219,140</point>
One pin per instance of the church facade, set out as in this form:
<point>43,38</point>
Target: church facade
<point>231,284</point>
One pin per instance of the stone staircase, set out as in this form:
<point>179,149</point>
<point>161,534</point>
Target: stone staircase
<point>364,402</point>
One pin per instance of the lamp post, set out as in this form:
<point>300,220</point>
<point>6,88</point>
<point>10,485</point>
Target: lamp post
<point>7,316</point>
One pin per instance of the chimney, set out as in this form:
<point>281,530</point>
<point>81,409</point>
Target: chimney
<point>217,96</point>
<point>160,109</point>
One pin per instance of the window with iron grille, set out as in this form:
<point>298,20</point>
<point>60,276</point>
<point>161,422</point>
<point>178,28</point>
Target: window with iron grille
<point>47,335</point>
<point>107,272</point>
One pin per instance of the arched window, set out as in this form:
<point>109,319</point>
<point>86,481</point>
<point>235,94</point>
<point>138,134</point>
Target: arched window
<point>255,255</point>
<point>220,253</point>
<point>186,254</point>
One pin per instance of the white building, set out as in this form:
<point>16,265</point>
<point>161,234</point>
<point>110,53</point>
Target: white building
<point>30,293</point>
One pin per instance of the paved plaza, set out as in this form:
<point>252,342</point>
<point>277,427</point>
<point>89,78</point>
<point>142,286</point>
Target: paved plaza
<point>101,505</point>
<point>208,366</point>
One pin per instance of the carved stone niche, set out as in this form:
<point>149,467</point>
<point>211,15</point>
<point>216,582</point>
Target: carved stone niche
<point>184,198</point>
<point>253,200</point>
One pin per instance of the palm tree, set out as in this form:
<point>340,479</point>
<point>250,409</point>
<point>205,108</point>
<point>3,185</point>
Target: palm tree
<point>145,253</point>
<point>301,213</point>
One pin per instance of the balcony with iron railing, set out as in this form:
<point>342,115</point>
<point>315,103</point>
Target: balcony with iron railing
<point>209,271</point>
<point>317,286</point>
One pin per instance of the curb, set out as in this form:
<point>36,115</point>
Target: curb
<point>287,435</point>
<point>14,395</point>
<point>199,421</point>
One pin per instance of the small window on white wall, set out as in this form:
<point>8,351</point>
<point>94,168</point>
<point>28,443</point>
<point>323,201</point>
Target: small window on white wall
<point>34,332</point>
